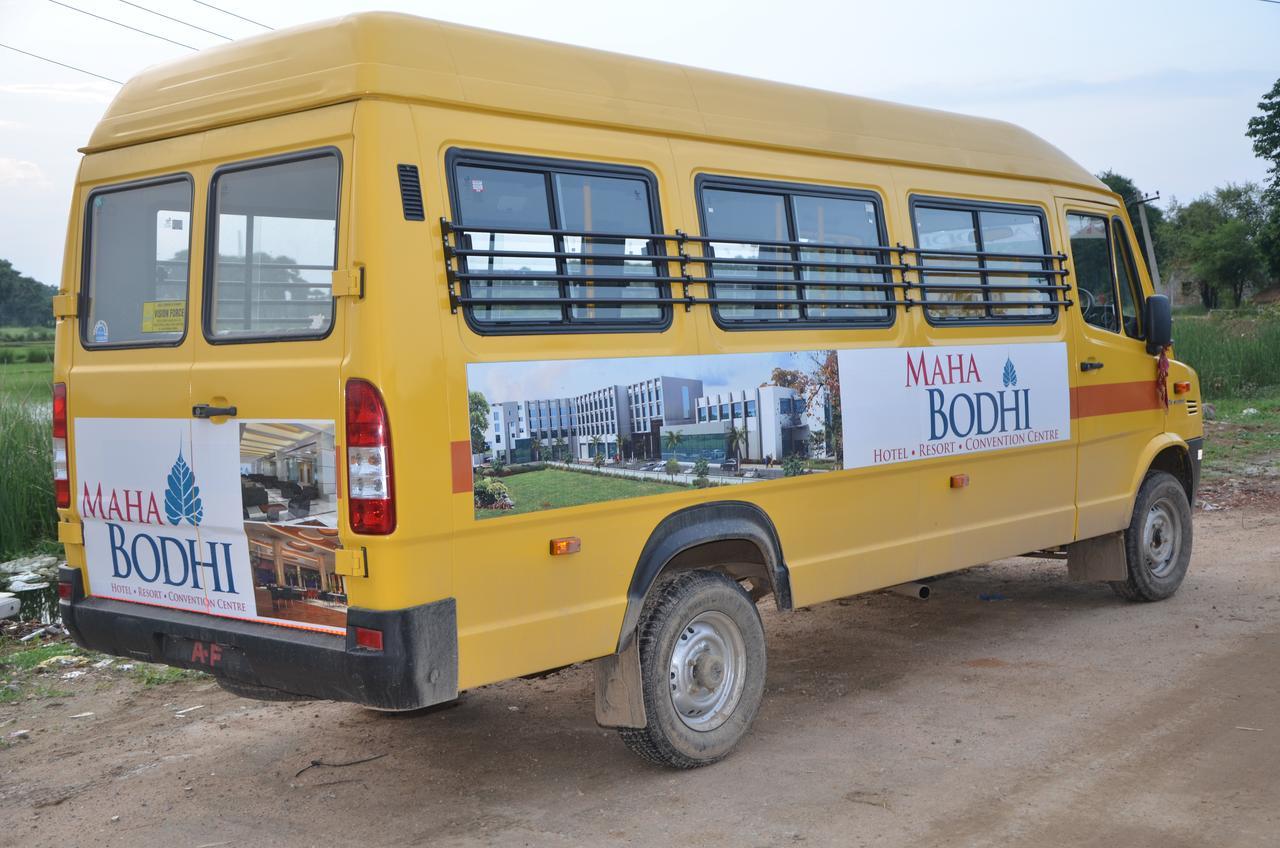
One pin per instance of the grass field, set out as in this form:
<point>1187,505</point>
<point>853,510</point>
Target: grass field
<point>28,521</point>
<point>1237,354</point>
<point>552,488</point>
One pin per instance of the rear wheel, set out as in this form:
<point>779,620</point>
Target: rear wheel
<point>702,664</point>
<point>1157,542</point>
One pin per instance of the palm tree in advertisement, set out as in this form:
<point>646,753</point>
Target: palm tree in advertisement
<point>736,442</point>
<point>672,438</point>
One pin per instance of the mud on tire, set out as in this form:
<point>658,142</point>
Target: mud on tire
<point>702,664</point>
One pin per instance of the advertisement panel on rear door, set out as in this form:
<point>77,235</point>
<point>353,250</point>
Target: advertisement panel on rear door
<point>236,519</point>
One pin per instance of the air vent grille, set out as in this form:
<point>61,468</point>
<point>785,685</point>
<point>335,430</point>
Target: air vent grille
<point>1193,407</point>
<point>410,192</point>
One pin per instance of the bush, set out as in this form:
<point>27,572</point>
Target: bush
<point>498,467</point>
<point>701,468</point>
<point>491,494</point>
<point>701,482</point>
<point>792,466</point>
<point>39,354</point>
<point>8,356</point>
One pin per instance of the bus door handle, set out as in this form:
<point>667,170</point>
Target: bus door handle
<point>1091,365</point>
<point>204,410</point>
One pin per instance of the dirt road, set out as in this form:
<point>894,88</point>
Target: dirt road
<point>1058,715</point>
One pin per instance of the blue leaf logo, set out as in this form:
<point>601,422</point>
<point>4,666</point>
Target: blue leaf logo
<point>182,495</point>
<point>1010,373</point>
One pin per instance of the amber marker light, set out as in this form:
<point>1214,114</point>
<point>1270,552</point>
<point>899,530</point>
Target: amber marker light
<point>567,545</point>
<point>1182,387</point>
<point>959,481</point>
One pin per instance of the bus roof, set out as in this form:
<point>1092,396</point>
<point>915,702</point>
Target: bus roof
<point>380,54</point>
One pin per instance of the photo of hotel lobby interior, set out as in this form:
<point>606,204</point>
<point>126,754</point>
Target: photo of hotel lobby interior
<point>288,473</point>
<point>293,574</point>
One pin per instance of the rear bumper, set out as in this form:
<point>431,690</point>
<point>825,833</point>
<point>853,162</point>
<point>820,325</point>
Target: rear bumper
<point>417,667</point>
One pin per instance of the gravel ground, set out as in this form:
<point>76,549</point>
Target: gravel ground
<point>1059,715</point>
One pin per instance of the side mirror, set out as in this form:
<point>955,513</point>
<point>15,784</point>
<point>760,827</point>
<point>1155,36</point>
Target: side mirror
<point>1157,317</point>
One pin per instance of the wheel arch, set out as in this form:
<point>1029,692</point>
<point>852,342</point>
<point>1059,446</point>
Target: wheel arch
<point>736,538</point>
<point>1168,453</point>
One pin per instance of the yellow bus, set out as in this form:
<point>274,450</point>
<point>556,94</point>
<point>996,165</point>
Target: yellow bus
<point>396,358</point>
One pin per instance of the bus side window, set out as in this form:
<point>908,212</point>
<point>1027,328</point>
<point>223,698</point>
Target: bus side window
<point>1091,251</point>
<point>1127,278</point>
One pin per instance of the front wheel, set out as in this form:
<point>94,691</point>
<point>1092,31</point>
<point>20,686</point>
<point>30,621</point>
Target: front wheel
<point>702,665</point>
<point>1157,543</point>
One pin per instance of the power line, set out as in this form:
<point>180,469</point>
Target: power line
<point>60,64</point>
<point>264,26</point>
<point>126,26</point>
<point>175,20</point>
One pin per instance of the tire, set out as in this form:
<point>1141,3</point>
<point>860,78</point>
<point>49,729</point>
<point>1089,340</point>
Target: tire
<point>702,667</point>
<point>258,693</point>
<point>1157,542</point>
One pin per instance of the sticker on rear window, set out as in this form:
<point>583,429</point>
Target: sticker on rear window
<point>100,332</point>
<point>164,316</point>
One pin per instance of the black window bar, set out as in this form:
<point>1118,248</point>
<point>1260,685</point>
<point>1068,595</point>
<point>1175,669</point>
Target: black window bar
<point>896,288</point>
<point>1052,266</point>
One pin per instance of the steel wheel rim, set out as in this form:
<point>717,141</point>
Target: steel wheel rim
<point>1161,538</point>
<point>706,671</point>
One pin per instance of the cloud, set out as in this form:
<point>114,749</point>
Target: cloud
<point>63,92</point>
<point>19,172</point>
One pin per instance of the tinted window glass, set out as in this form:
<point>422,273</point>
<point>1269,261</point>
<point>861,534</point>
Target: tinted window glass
<point>608,205</point>
<point>546,198</point>
<point>1091,254</point>
<point>1127,279</point>
<point>508,199</point>
<point>949,229</point>
<point>276,231</point>
<point>746,216</point>
<point>1018,233</point>
<point>842,233</point>
<point>139,241</point>
<point>847,223</point>
<point>982,231</point>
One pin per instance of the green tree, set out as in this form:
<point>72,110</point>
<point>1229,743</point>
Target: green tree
<point>701,468</point>
<point>1264,130</point>
<point>736,441</point>
<point>672,467</point>
<point>1221,241</point>
<point>24,302</point>
<point>1131,194</point>
<point>479,411</point>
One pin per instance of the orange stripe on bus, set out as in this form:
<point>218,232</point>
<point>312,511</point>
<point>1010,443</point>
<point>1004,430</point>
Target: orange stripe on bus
<point>460,456</point>
<point>1113,398</point>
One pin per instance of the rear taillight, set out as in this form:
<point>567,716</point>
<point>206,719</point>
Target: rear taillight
<point>61,482</point>
<point>370,489</point>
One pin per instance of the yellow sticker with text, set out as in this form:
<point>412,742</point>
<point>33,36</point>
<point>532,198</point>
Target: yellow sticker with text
<point>164,316</point>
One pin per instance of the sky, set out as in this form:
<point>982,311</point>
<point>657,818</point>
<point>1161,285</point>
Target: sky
<point>543,380</point>
<point>1159,90</point>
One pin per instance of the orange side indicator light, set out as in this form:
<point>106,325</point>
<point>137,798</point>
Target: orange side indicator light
<point>567,545</point>
<point>959,481</point>
<point>1182,387</point>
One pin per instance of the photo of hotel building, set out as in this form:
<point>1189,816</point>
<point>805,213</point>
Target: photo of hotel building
<point>632,422</point>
